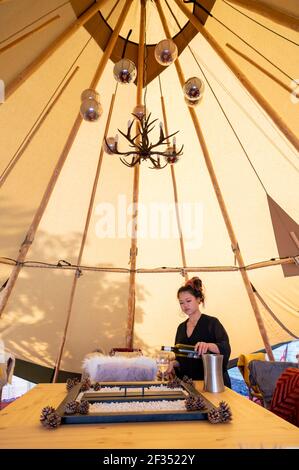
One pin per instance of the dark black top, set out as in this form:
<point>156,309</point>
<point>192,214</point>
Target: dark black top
<point>207,329</point>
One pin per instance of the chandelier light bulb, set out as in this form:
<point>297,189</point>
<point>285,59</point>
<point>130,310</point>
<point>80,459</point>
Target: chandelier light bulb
<point>125,71</point>
<point>171,155</point>
<point>110,145</point>
<point>91,108</point>
<point>193,89</point>
<point>166,52</point>
<point>191,103</point>
<point>139,111</point>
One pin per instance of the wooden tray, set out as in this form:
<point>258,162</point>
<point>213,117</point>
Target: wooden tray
<point>131,395</point>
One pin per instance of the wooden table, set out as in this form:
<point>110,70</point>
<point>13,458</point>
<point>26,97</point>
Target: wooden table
<point>252,427</point>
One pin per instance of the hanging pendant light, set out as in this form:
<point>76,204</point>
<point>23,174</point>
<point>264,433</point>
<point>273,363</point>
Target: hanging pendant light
<point>193,90</point>
<point>166,52</point>
<point>139,111</point>
<point>125,71</point>
<point>191,103</point>
<point>171,155</point>
<point>91,108</point>
<point>110,145</point>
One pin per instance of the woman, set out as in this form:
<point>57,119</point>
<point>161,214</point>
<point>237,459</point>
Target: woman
<point>202,331</point>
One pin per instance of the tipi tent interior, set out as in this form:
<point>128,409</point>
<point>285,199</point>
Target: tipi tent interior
<point>92,250</point>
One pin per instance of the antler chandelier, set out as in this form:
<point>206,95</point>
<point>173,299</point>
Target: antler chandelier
<point>141,146</point>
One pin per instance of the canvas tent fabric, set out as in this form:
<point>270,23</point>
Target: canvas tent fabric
<point>35,317</point>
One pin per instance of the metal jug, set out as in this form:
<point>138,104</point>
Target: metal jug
<point>213,375</point>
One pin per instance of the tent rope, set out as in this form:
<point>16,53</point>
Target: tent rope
<point>261,110</point>
<point>223,111</point>
<point>282,125</point>
<point>43,114</point>
<point>174,185</point>
<point>101,67</point>
<point>218,193</point>
<point>241,39</point>
<point>260,24</point>
<point>270,311</point>
<point>33,22</point>
<point>65,265</point>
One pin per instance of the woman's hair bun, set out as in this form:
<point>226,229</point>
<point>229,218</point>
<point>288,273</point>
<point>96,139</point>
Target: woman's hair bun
<point>195,283</point>
<point>194,287</point>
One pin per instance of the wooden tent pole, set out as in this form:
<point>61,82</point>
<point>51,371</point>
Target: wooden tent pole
<point>175,193</point>
<point>8,170</point>
<point>270,11</point>
<point>36,63</point>
<point>4,295</point>
<point>133,249</point>
<point>288,88</point>
<point>83,241</point>
<point>30,33</point>
<point>221,202</point>
<point>290,135</point>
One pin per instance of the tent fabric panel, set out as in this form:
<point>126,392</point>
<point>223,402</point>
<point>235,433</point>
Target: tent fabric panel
<point>274,48</point>
<point>34,318</point>
<point>24,187</point>
<point>15,17</point>
<point>281,295</point>
<point>99,317</point>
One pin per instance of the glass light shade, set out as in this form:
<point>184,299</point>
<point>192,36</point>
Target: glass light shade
<point>125,71</point>
<point>191,103</point>
<point>90,94</point>
<point>166,52</point>
<point>91,110</point>
<point>170,156</point>
<point>193,89</point>
<point>109,145</point>
<point>139,111</point>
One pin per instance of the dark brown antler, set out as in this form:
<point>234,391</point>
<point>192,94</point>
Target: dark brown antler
<point>142,148</point>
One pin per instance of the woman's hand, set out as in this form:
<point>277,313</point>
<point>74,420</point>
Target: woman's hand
<point>201,347</point>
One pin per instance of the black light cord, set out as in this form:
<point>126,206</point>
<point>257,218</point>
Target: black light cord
<point>27,136</point>
<point>126,43</point>
<point>228,121</point>
<point>240,38</point>
<point>220,106</point>
<point>260,24</point>
<point>33,22</point>
<point>259,109</point>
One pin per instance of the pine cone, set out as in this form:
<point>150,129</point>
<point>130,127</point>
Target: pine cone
<point>71,407</point>
<point>84,407</point>
<point>189,403</point>
<point>86,385</point>
<point>225,412</point>
<point>96,386</point>
<point>46,411</point>
<point>53,420</point>
<point>194,403</point>
<point>187,380</point>
<point>174,383</point>
<point>199,403</point>
<point>214,416</point>
<point>70,383</point>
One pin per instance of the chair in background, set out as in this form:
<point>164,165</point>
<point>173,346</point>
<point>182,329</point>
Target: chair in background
<point>265,374</point>
<point>285,400</point>
<point>243,362</point>
<point>6,372</point>
<point>129,352</point>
